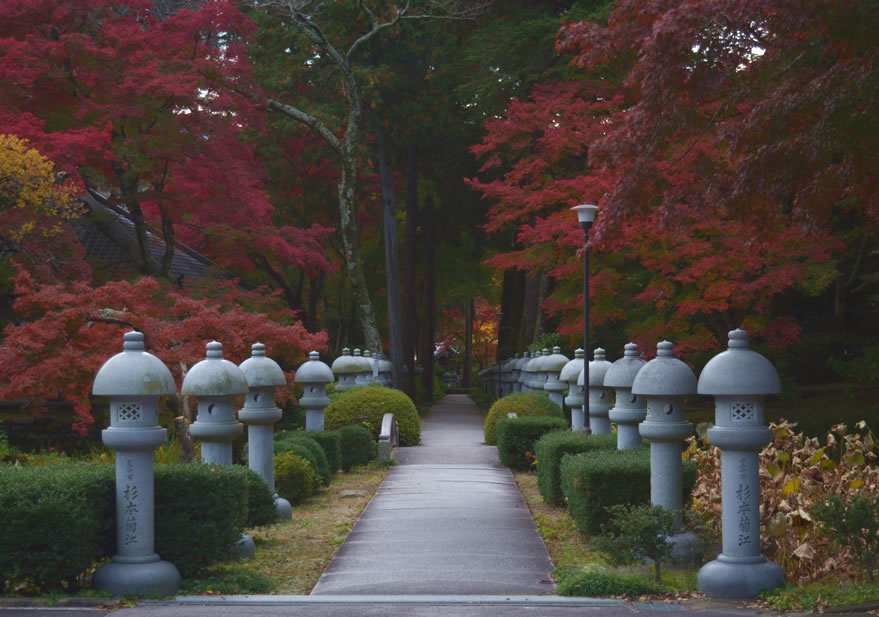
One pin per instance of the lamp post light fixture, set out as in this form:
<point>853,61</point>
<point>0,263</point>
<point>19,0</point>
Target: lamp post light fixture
<point>585,216</point>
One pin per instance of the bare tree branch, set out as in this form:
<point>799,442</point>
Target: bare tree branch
<point>308,120</point>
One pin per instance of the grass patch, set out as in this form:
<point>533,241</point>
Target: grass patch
<point>815,597</point>
<point>291,556</point>
<point>579,567</point>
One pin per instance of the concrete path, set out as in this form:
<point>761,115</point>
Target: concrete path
<point>448,519</point>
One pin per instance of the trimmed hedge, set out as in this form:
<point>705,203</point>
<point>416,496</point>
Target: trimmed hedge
<point>298,443</point>
<point>294,477</point>
<point>55,522</point>
<point>201,512</point>
<point>594,482</point>
<point>331,442</point>
<point>521,404</point>
<point>368,405</point>
<point>516,438</point>
<point>358,446</point>
<point>552,447</point>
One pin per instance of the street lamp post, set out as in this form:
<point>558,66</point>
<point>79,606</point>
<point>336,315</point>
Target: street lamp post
<point>586,216</point>
<point>497,355</point>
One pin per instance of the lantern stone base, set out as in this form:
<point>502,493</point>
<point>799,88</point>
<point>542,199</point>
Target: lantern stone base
<point>245,548</point>
<point>285,510</point>
<point>152,578</point>
<point>739,578</point>
<point>686,548</point>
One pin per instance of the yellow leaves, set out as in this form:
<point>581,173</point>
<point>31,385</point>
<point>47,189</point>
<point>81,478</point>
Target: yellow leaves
<point>28,183</point>
<point>792,486</point>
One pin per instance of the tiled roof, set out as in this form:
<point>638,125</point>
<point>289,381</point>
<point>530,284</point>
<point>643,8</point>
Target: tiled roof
<point>186,263</point>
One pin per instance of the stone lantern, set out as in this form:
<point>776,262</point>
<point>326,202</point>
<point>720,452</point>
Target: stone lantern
<point>538,376</point>
<point>134,380</point>
<point>364,369</point>
<point>260,414</point>
<point>665,381</point>
<point>521,365</point>
<point>372,367</point>
<point>739,379</point>
<point>216,382</point>
<point>385,371</point>
<point>569,375</point>
<point>314,376</point>
<point>551,367</point>
<point>629,409</point>
<point>346,369</point>
<point>599,395</point>
<point>515,371</point>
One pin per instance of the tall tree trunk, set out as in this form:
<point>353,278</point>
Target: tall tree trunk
<point>395,324</point>
<point>314,288</point>
<point>468,345</point>
<point>429,289</point>
<point>182,422</point>
<point>410,317</point>
<point>530,310</point>
<point>351,248</point>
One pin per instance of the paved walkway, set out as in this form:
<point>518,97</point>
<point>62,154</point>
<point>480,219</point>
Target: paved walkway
<point>448,519</point>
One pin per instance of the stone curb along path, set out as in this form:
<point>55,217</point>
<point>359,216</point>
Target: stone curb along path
<point>447,520</point>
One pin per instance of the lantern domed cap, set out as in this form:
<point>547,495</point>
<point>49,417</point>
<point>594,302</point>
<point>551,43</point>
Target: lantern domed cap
<point>554,362</point>
<point>133,372</point>
<point>521,362</point>
<point>214,376</point>
<point>622,373</point>
<point>261,371</point>
<point>346,364</point>
<point>665,375</point>
<point>314,371</point>
<point>739,370</point>
<point>598,368</point>
<point>571,371</point>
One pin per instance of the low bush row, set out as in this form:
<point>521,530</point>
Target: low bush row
<point>552,448</point>
<point>519,403</point>
<point>367,406</point>
<point>516,438</point>
<point>56,522</point>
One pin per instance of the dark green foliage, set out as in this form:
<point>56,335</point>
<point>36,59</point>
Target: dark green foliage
<point>54,522</point>
<point>331,442</point>
<point>367,406</point>
<point>480,398</point>
<point>201,512</point>
<point>516,438</point>
<point>260,501</point>
<point>855,525</point>
<point>358,446</point>
<point>595,581</point>
<point>552,447</point>
<point>521,404</point>
<point>593,482</point>
<point>294,477</point>
<point>298,443</point>
<point>636,532</point>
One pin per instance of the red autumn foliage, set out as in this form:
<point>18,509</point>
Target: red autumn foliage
<point>71,330</point>
<point>732,135</point>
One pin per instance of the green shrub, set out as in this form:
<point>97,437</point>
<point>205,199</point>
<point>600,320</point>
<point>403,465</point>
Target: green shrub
<point>297,443</point>
<point>552,447</point>
<point>854,525</point>
<point>366,406</point>
<point>595,481</point>
<point>521,404</point>
<point>358,446</point>
<point>331,442</point>
<point>595,581</point>
<point>201,512</point>
<point>261,508</point>
<point>516,438</point>
<point>294,477</point>
<point>54,522</point>
<point>479,398</point>
<point>638,532</point>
